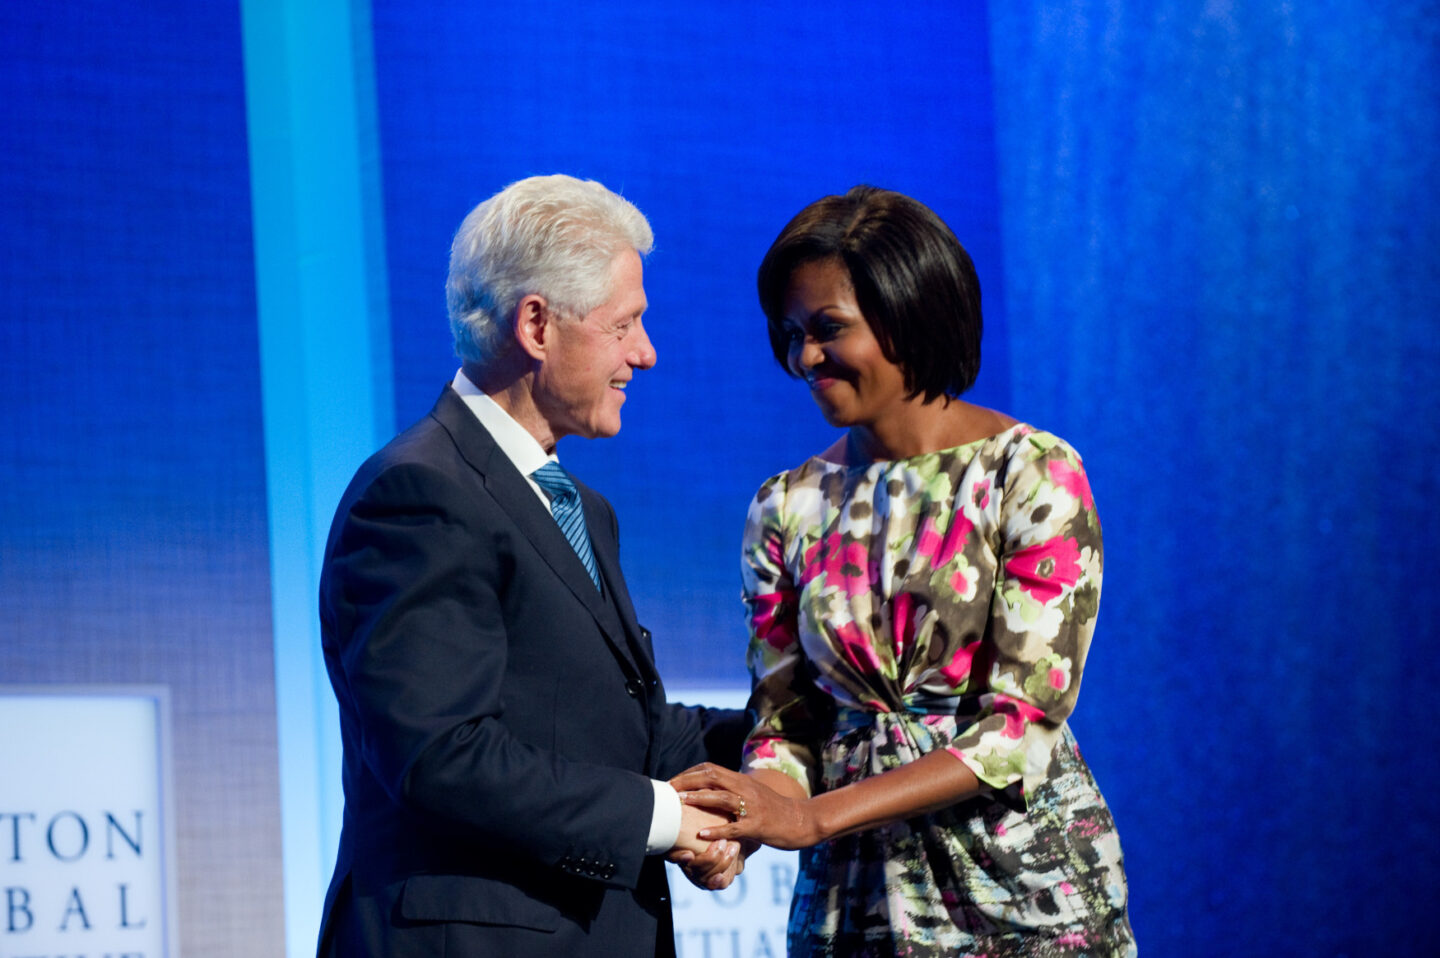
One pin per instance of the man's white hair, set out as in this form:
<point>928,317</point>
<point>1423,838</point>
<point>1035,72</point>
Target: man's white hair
<point>552,236</point>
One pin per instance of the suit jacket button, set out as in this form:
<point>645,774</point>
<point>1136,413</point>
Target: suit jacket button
<point>634,687</point>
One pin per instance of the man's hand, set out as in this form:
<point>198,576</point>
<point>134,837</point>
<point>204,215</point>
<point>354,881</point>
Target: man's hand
<point>709,865</point>
<point>692,819</point>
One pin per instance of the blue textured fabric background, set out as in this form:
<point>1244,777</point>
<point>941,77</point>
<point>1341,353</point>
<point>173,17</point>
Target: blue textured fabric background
<point>1222,262</point>
<point>1207,236</point>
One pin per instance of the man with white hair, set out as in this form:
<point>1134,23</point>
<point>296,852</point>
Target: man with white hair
<point>507,738</point>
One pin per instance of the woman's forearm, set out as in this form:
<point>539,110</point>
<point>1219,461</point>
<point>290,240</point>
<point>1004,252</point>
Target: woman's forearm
<point>770,807</point>
<point>927,784</point>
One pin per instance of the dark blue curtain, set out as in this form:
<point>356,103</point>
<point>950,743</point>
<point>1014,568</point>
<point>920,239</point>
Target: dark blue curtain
<point>1222,263</point>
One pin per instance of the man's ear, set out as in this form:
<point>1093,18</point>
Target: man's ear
<point>533,326</point>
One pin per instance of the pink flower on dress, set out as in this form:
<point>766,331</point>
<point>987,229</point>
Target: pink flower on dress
<point>856,649</point>
<point>927,541</point>
<point>762,748</point>
<point>1057,679</point>
<point>1073,481</point>
<point>1045,569</point>
<point>773,627</point>
<point>809,569</point>
<point>961,583</point>
<point>834,555</point>
<point>902,622</point>
<point>940,550</point>
<point>1017,714</point>
<point>980,494</point>
<point>775,550</point>
<point>958,670</point>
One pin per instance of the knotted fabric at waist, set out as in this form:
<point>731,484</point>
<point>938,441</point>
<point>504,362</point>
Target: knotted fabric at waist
<point>916,707</point>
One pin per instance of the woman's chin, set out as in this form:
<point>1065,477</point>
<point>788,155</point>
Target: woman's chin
<point>836,415</point>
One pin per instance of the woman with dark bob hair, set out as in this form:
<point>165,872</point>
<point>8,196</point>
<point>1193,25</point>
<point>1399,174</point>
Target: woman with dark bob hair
<point>921,597</point>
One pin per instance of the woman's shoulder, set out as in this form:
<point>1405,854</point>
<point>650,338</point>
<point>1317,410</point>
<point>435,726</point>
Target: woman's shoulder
<point>795,492</point>
<point>1029,443</point>
<point>774,489</point>
<point>1037,463</point>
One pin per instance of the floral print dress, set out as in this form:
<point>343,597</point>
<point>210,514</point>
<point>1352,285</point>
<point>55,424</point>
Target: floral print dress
<point>940,602</point>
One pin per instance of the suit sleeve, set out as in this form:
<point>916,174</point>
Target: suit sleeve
<point>421,646</point>
<point>693,734</point>
<point>687,735</point>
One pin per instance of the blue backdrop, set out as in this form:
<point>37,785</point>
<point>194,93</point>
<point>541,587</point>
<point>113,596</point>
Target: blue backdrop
<point>720,126</point>
<point>132,479</point>
<point>1223,269</point>
<point>1207,238</point>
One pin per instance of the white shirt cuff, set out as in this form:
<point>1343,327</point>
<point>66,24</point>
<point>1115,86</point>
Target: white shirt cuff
<point>664,821</point>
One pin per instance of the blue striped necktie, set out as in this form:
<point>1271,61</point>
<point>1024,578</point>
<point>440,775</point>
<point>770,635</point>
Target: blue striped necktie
<point>565,507</point>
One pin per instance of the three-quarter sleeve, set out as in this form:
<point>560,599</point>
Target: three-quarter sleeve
<point>786,736</point>
<point>1046,593</point>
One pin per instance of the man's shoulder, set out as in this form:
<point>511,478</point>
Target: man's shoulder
<point>441,436</point>
<point>427,448</point>
<point>423,443</point>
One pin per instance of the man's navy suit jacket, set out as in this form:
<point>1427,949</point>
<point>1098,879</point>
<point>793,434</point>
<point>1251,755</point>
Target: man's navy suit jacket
<point>501,717</point>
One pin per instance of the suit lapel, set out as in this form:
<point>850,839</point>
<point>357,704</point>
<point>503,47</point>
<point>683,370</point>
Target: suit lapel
<point>607,555</point>
<point>513,494</point>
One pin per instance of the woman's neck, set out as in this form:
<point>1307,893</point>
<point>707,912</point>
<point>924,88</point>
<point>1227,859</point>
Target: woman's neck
<point>921,427</point>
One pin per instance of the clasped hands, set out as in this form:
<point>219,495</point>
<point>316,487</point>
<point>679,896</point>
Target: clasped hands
<point>726,816</point>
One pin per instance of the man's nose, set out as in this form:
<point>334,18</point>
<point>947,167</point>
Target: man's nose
<point>642,356</point>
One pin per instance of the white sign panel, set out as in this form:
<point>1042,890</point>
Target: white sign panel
<point>748,919</point>
<point>86,846</point>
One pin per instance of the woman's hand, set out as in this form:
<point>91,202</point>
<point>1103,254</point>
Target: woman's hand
<point>760,813</point>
